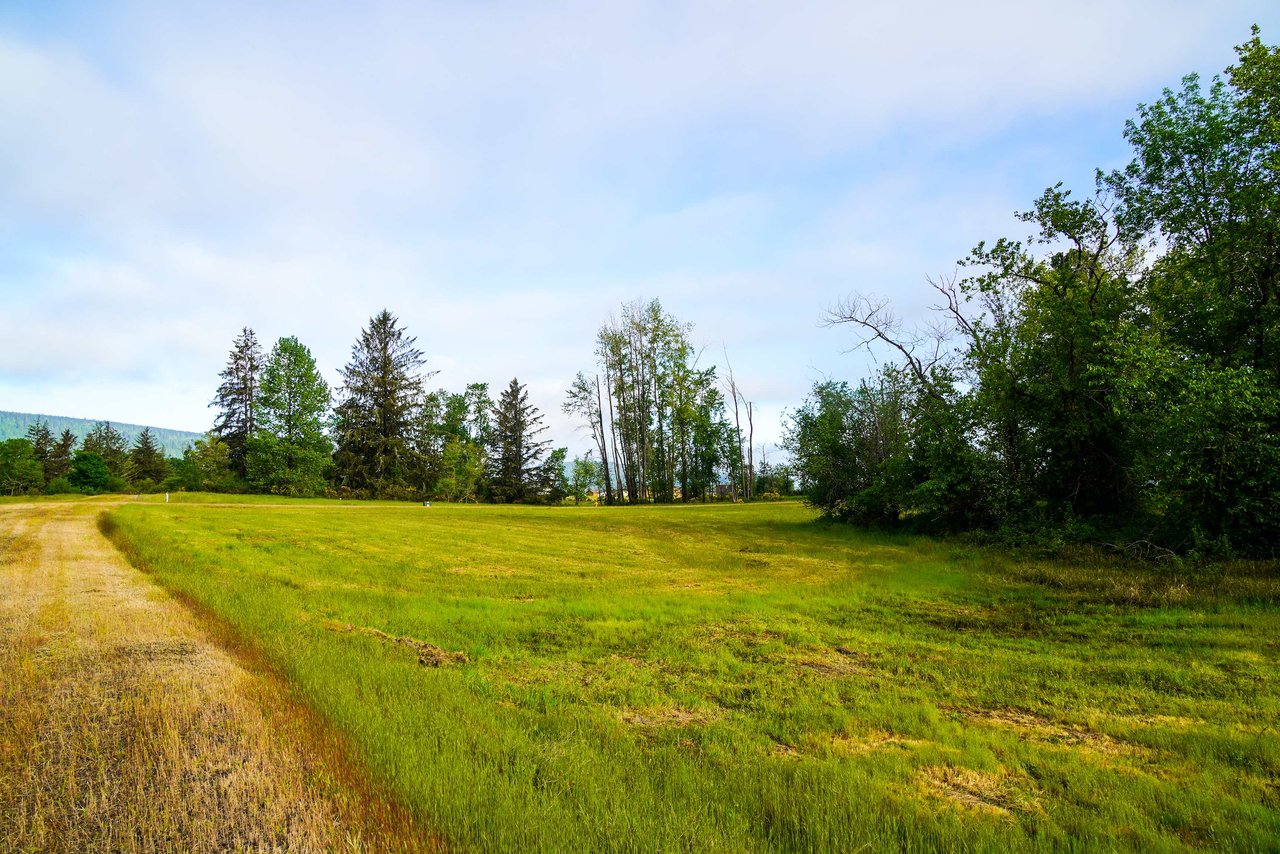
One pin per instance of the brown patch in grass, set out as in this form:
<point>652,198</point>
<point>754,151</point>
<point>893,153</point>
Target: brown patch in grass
<point>876,739</point>
<point>654,718</point>
<point>486,571</point>
<point>125,727</point>
<point>998,794</point>
<point>836,662</point>
<point>1036,728</point>
<point>429,655</point>
<point>784,750</point>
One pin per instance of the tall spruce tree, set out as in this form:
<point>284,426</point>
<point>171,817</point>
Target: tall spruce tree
<point>58,463</point>
<point>109,444</point>
<point>146,459</point>
<point>381,390</point>
<point>237,399</point>
<point>517,473</point>
<point>290,451</point>
<point>42,445</point>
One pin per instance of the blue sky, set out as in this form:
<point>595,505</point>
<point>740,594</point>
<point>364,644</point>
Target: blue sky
<point>502,176</point>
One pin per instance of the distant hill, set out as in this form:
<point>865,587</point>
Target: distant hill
<point>13,425</point>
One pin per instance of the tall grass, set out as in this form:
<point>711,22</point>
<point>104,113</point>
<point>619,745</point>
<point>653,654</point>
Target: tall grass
<point>742,678</point>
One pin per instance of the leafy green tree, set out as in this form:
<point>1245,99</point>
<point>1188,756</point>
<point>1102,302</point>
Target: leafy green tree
<point>20,470</point>
<point>382,389</point>
<point>586,477</point>
<point>517,471</point>
<point>110,445</point>
<point>1080,380</point>
<point>207,466</point>
<point>237,399</point>
<point>459,423</point>
<point>89,472</point>
<point>290,451</point>
<point>1205,378</point>
<point>851,446</point>
<point>462,470</point>
<point>147,465</point>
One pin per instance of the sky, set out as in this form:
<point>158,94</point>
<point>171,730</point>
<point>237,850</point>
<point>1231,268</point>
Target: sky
<point>503,176</point>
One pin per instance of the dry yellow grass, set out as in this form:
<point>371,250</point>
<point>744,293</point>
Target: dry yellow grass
<point>125,727</point>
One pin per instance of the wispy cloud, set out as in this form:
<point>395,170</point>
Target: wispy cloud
<point>502,175</point>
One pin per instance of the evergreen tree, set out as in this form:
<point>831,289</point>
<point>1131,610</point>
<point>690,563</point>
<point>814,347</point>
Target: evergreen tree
<point>109,445</point>
<point>42,445</point>
<point>146,459</point>
<point>517,473</point>
<point>290,451</point>
<point>58,464</point>
<point>237,399</point>
<point>382,389</point>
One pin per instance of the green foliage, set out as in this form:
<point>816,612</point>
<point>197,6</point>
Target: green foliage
<point>20,469</point>
<point>657,418</point>
<point>89,472</point>
<point>462,468</point>
<point>58,463</point>
<point>517,473</point>
<point>237,400</point>
<point>1079,388</point>
<point>146,461</point>
<point>61,485</point>
<point>107,443</point>
<point>585,477</point>
<point>206,466</point>
<point>382,389</point>
<point>290,452</point>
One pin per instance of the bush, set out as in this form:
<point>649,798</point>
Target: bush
<point>61,486</point>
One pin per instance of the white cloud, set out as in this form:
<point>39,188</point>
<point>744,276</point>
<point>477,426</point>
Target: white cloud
<point>503,175</point>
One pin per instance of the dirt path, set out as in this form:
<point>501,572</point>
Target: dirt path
<point>124,727</point>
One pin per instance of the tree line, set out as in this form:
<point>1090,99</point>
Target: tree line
<point>1114,378</point>
<point>103,461</point>
<point>280,429</point>
<point>658,420</point>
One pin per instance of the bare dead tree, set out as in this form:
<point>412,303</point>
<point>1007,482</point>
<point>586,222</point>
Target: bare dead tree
<point>921,350</point>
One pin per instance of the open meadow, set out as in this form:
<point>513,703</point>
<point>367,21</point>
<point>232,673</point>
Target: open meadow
<point>739,678</point>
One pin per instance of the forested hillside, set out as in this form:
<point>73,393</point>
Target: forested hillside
<point>14,425</point>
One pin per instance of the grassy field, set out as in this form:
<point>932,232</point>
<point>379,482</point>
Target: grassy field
<point>741,678</point>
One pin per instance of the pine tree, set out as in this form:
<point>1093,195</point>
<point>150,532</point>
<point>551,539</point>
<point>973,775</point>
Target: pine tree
<point>517,473</point>
<point>237,399</point>
<point>146,459</point>
<point>382,388</point>
<point>108,443</point>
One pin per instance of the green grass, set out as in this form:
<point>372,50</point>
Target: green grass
<point>742,678</point>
